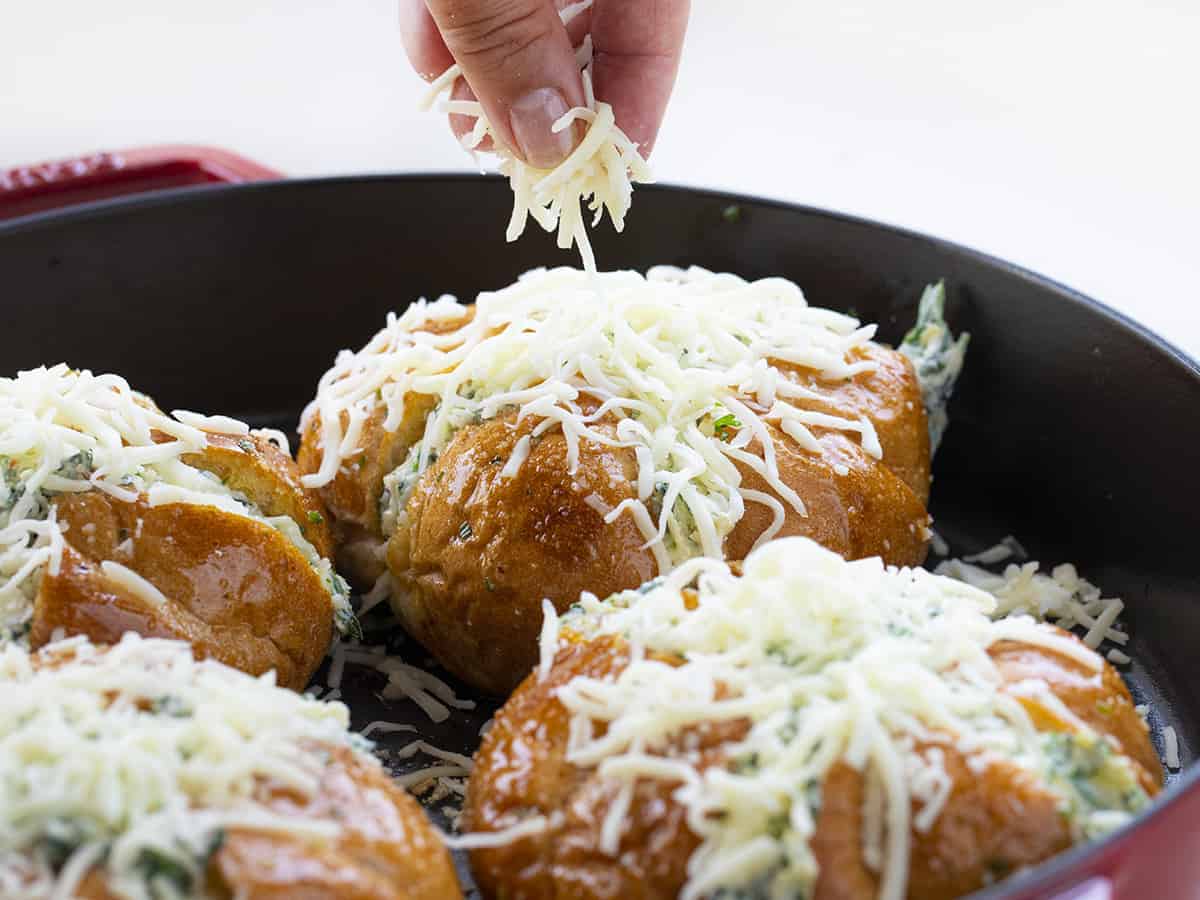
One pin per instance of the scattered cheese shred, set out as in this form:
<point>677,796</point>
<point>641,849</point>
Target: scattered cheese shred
<point>548,640</point>
<point>1062,597</point>
<point>431,694</point>
<point>107,756</point>
<point>685,363</point>
<point>829,661</point>
<point>384,727</point>
<point>600,171</point>
<point>1171,748</point>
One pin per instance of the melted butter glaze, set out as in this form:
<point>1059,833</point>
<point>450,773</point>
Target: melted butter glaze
<point>236,589</point>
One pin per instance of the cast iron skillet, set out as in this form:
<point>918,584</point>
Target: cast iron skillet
<point>1074,428</point>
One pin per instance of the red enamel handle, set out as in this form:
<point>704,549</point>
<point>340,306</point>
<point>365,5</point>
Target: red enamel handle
<point>53,185</point>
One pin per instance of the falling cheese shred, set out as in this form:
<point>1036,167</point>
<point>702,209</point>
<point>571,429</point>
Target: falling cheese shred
<point>827,660</point>
<point>600,171</point>
<point>110,757</point>
<point>684,364</point>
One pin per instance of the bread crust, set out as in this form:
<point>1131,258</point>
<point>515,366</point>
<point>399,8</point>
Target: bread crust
<point>236,589</point>
<point>992,824</point>
<point>482,551</point>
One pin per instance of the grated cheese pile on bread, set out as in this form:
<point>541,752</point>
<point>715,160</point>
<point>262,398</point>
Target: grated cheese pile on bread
<point>65,431</point>
<point>674,355</point>
<point>828,661</point>
<point>137,758</point>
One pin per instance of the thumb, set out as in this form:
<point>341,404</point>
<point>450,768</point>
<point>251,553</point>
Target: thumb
<point>519,62</point>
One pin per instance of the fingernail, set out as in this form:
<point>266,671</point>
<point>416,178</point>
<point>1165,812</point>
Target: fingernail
<point>531,119</point>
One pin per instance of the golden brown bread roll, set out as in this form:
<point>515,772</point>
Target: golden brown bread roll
<point>117,517</point>
<point>475,543</point>
<point>309,812</point>
<point>993,819</point>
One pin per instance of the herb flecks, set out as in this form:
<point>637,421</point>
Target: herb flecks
<point>726,427</point>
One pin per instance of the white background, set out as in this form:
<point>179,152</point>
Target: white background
<point>1063,134</point>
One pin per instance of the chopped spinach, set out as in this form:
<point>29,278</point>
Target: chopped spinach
<point>165,874</point>
<point>1091,777</point>
<point>62,837</point>
<point>725,426</point>
<point>345,621</point>
<point>78,467</point>
<point>170,705</point>
<point>937,356</point>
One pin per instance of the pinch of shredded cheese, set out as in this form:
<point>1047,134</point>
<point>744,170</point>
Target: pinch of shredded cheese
<point>601,170</point>
<point>66,431</point>
<point>108,755</point>
<point>828,661</point>
<point>675,358</point>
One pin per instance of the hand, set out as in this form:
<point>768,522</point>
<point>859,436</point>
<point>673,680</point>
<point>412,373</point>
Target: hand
<point>519,61</point>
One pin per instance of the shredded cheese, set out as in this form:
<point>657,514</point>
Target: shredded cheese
<point>65,431</point>
<point>384,727</point>
<point>1171,748</point>
<point>548,639</point>
<point>276,437</point>
<point>214,424</point>
<point>1008,548</point>
<point>600,171</point>
<point>529,827</point>
<point>110,757</point>
<point>1062,597</point>
<point>684,362</point>
<point>828,661</point>
<point>132,582</point>
<point>432,695</point>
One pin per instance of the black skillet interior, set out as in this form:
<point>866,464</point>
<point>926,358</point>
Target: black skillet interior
<point>1073,429</point>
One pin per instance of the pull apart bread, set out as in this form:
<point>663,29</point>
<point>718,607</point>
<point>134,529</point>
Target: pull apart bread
<point>590,432</point>
<point>135,772</point>
<point>116,517</point>
<point>812,728</point>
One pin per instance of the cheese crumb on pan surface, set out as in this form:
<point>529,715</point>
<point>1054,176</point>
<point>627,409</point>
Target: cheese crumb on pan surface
<point>829,661</point>
<point>135,758</point>
<point>600,172</point>
<point>684,360</point>
<point>66,431</point>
